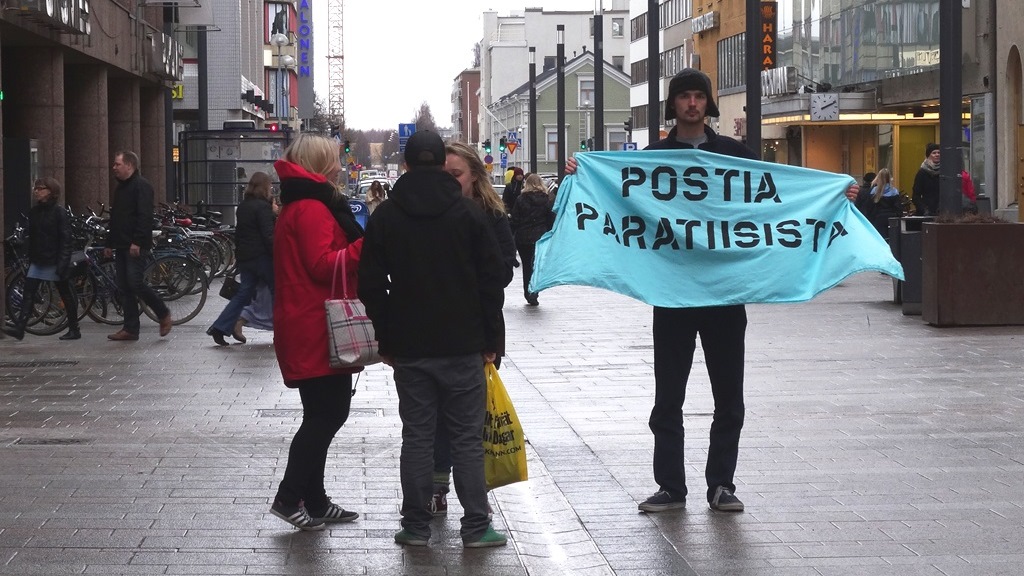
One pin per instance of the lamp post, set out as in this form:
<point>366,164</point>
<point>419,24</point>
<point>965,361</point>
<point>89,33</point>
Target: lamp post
<point>587,105</point>
<point>282,105</point>
<point>533,109</point>
<point>560,105</point>
<point>598,75</point>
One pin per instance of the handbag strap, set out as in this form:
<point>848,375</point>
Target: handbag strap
<point>344,275</point>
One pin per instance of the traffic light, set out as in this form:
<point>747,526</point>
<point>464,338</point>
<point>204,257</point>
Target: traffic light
<point>628,124</point>
<point>487,146</point>
<point>583,144</point>
<point>501,144</point>
<point>335,130</point>
<point>348,147</point>
<point>272,127</point>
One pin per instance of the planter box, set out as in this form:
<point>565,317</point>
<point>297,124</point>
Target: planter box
<point>972,274</point>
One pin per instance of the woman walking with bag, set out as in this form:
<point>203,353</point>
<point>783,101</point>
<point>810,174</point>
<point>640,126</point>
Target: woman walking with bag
<point>315,228</point>
<point>254,241</point>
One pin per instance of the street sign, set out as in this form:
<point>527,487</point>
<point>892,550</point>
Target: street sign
<point>504,160</point>
<point>629,145</point>
<point>404,132</point>
<point>488,159</point>
<point>512,137</point>
<point>511,146</point>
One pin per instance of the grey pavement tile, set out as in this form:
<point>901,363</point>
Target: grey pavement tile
<point>864,458</point>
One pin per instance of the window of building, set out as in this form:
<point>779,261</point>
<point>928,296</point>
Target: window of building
<point>279,91</point>
<point>277,19</point>
<point>586,90</point>
<point>550,62</point>
<point>616,138</point>
<point>638,27</point>
<point>618,27</point>
<point>638,72</point>
<point>731,56</point>
<point>551,147</point>
<point>619,62</point>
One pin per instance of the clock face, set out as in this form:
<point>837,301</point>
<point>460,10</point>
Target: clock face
<point>824,106</point>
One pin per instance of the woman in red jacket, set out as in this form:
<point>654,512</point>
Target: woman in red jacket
<point>316,238</point>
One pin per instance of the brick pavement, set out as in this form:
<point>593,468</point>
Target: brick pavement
<point>874,445</point>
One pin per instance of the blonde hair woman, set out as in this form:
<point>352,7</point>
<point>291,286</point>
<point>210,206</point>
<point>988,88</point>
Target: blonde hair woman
<point>315,230</point>
<point>531,217</point>
<point>885,202</point>
<point>464,164</point>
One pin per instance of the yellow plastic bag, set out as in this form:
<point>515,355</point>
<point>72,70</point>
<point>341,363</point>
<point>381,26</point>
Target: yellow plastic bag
<point>504,443</point>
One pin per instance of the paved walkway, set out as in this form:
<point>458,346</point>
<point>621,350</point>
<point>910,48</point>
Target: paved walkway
<point>874,445</point>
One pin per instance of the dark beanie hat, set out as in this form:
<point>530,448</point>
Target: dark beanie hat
<point>931,147</point>
<point>425,148</point>
<point>689,79</point>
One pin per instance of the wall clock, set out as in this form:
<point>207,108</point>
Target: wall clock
<point>824,106</point>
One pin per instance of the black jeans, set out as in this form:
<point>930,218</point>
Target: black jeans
<point>526,254</point>
<point>67,296</point>
<point>132,287</point>
<point>722,330</point>
<point>325,406</point>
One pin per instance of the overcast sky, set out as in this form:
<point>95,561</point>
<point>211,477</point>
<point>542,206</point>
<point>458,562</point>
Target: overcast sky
<point>401,53</point>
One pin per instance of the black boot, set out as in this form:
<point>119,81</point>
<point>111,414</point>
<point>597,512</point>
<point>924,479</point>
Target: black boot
<point>73,334</point>
<point>218,336</point>
<point>16,332</point>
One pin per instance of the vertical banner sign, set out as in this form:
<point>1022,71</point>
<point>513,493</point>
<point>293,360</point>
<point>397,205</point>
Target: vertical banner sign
<point>769,33</point>
<point>304,66</point>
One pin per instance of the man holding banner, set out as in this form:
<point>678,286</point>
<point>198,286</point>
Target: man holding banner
<point>696,240</point>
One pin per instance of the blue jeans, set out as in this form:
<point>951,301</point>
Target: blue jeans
<point>456,386</point>
<point>132,287</point>
<point>252,272</point>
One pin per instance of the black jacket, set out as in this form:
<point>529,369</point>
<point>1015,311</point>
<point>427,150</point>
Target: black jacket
<point>511,193</point>
<point>49,236</point>
<point>131,214</point>
<point>531,217</point>
<point>254,229</point>
<point>717,144</point>
<point>430,272</point>
<point>926,193</point>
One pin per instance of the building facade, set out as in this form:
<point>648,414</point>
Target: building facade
<point>511,114</point>
<point>80,81</point>
<point>505,57</point>
<point>466,106</point>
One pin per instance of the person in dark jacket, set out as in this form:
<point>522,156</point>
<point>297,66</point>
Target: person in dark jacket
<point>721,328</point>
<point>49,256</point>
<point>464,164</point>
<point>531,218</point>
<point>129,240</point>
<point>926,183</point>
<point>432,279</point>
<point>513,189</point>
<point>254,251</point>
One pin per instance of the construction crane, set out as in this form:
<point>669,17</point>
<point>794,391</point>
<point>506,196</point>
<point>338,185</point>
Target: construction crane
<point>336,60</point>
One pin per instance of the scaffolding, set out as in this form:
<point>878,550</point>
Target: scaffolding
<point>336,60</point>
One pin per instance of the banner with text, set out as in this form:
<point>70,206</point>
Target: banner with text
<point>683,228</point>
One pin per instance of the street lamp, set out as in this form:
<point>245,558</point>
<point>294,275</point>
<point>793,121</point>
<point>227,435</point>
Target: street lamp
<point>560,97</point>
<point>533,109</point>
<point>586,108</point>
<point>282,106</point>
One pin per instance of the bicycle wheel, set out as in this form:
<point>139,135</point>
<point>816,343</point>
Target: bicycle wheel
<point>181,283</point>
<point>85,291</point>
<point>48,313</point>
<point>106,305</point>
<point>206,252</point>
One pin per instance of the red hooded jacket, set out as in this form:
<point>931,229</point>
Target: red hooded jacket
<point>307,240</point>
